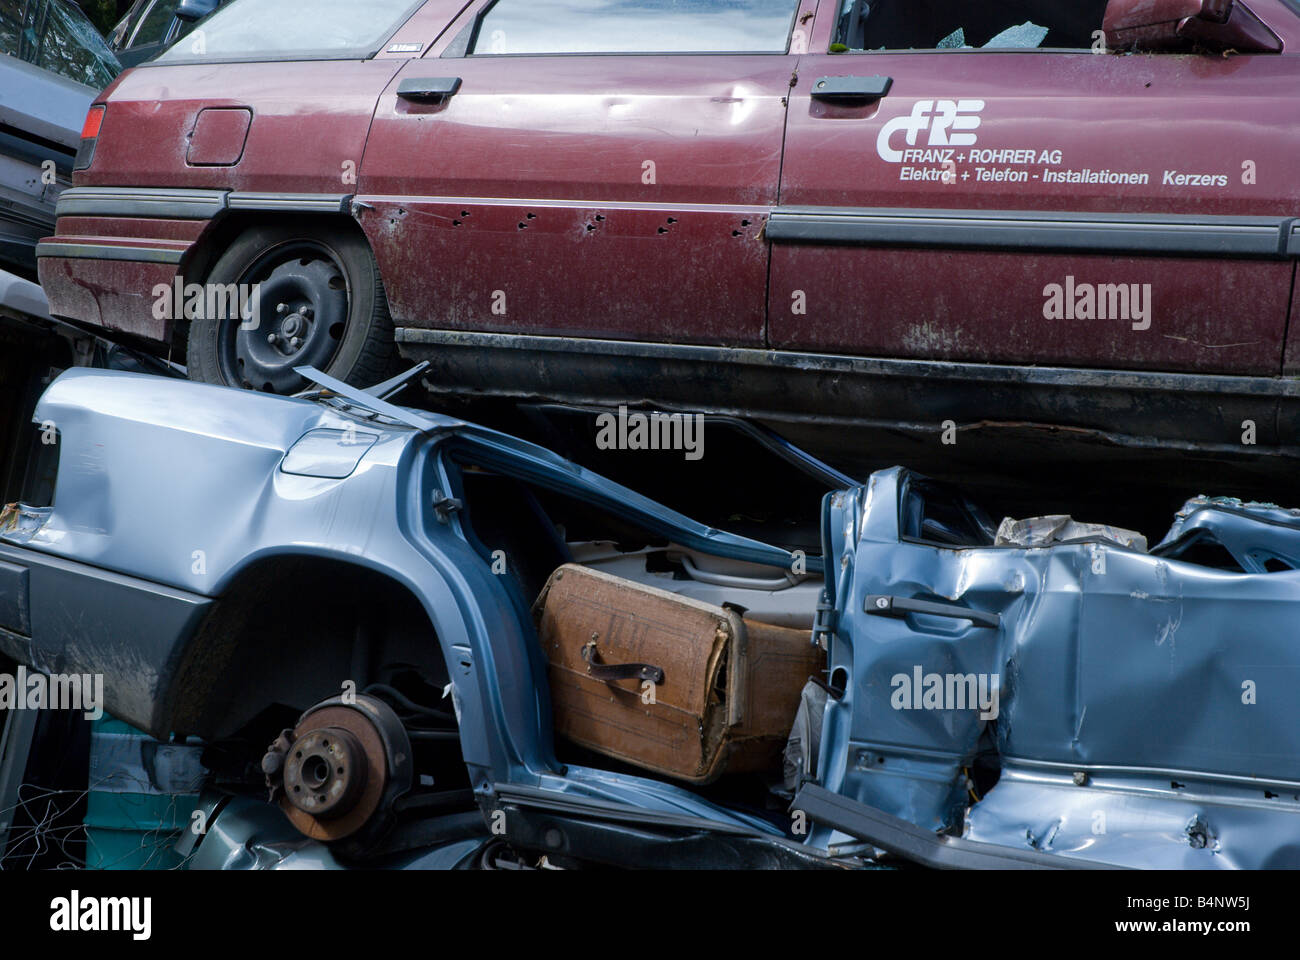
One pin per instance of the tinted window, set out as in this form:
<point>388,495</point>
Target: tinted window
<point>635,26</point>
<point>283,29</point>
<point>957,24</point>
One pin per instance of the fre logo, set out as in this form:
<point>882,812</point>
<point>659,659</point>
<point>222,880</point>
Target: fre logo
<point>940,117</point>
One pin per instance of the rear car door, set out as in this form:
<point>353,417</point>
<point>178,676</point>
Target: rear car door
<point>1031,198</point>
<point>560,168</point>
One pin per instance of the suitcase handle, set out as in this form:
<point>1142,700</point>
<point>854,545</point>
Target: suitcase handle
<point>619,671</point>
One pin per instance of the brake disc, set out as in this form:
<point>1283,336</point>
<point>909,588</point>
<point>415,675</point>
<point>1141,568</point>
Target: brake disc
<point>338,772</point>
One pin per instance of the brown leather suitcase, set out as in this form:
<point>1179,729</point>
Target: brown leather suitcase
<point>666,682</point>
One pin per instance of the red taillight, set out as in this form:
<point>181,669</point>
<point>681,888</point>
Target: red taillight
<point>89,132</point>
<point>90,129</point>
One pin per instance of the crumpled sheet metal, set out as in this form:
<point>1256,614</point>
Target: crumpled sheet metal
<point>1059,528</point>
<point>19,522</point>
<point>1254,533</point>
<point>1140,821</point>
<point>1150,670</point>
<point>248,834</point>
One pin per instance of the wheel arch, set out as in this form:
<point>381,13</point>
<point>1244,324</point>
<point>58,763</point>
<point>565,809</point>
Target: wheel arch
<point>261,645</point>
<point>197,263</point>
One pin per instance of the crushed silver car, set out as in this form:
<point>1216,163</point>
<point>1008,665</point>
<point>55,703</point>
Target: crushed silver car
<point>407,632</point>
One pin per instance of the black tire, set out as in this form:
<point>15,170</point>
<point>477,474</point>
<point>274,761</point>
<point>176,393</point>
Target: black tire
<point>316,280</point>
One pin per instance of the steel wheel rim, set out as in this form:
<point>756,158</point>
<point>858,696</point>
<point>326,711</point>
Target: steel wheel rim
<point>298,317</point>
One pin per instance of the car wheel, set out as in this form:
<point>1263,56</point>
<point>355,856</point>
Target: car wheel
<point>313,297</point>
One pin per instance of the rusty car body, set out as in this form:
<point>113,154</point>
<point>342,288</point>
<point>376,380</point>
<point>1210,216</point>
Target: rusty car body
<point>1054,225</point>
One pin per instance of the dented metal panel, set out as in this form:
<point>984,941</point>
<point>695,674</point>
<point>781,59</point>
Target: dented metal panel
<point>168,489</point>
<point>1135,709</point>
<point>628,170</point>
<point>1082,701</point>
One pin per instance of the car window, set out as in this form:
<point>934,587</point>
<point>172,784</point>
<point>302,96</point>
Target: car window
<point>55,35</point>
<point>10,26</point>
<point>634,26</point>
<point>121,31</point>
<point>118,35</point>
<point>156,23</point>
<point>866,25</point>
<point>287,29</point>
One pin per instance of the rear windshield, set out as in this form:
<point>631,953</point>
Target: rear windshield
<point>292,30</point>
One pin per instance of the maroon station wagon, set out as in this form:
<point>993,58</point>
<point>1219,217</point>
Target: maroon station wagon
<point>1077,217</point>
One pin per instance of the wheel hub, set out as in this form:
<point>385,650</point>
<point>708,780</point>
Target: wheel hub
<point>337,773</point>
<point>302,313</point>
<point>325,773</point>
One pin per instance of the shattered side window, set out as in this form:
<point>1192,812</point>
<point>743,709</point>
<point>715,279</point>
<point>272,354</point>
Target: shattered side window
<point>870,25</point>
<point>634,26</point>
<point>10,27</point>
<point>57,37</point>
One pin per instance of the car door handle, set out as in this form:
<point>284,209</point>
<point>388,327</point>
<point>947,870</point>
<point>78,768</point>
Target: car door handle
<point>883,606</point>
<point>428,89</point>
<point>851,88</point>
